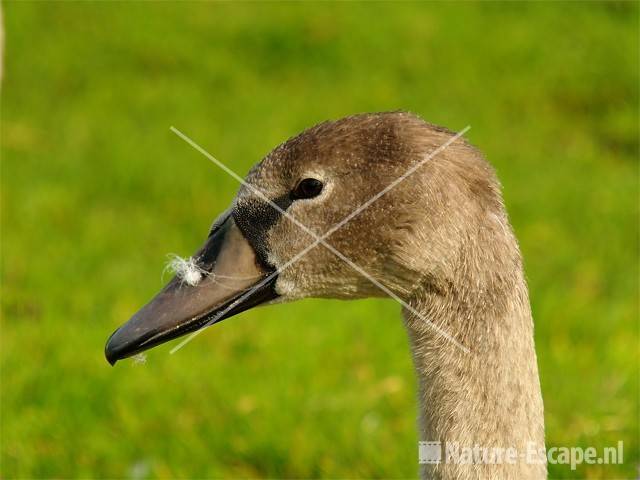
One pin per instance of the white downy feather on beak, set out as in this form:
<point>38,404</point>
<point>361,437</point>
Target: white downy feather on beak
<point>187,269</point>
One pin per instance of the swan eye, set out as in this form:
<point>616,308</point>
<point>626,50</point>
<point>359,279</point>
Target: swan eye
<point>307,188</point>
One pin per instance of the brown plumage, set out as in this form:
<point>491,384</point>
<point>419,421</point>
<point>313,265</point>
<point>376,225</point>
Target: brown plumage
<point>440,241</point>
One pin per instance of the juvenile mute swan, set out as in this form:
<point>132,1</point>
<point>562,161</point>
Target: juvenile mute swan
<point>440,241</point>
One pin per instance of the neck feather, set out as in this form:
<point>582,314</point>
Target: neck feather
<point>489,397</point>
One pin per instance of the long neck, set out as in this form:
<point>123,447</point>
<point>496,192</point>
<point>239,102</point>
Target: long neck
<point>489,397</point>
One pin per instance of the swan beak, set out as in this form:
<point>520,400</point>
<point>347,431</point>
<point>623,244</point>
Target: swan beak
<point>231,280</point>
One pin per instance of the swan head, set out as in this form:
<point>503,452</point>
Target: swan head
<point>372,196</point>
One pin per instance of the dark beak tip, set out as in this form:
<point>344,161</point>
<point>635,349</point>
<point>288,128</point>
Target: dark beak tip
<point>111,350</point>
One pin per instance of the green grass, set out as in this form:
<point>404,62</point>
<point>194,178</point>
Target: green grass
<point>96,190</point>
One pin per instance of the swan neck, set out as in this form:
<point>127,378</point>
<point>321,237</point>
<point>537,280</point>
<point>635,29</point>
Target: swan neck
<point>487,396</point>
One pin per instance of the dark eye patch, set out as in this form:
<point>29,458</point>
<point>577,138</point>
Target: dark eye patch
<point>307,188</point>
<point>255,218</point>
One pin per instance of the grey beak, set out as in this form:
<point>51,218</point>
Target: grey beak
<point>234,281</point>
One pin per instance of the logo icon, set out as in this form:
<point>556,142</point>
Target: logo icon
<point>429,452</point>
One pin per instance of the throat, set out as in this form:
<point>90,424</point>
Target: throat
<point>488,397</point>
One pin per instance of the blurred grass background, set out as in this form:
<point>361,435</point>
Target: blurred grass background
<point>96,191</point>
